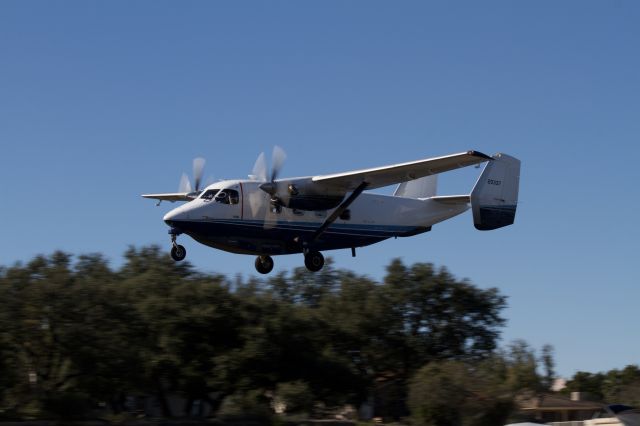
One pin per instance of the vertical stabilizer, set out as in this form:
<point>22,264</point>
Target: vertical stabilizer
<point>424,187</point>
<point>494,198</point>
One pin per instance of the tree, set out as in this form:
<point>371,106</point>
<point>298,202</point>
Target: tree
<point>548,365</point>
<point>613,386</point>
<point>416,316</point>
<point>622,386</point>
<point>76,332</point>
<point>459,393</point>
<point>583,381</point>
<point>522,366</point>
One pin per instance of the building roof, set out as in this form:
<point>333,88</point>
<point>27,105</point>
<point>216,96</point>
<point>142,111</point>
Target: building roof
<point>550,402</point>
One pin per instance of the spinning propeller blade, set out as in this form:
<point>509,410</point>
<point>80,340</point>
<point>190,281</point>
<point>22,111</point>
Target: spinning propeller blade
<point>185,185</point>
<point>259,171</point>
<point>277,160</point>
<point>198,167</point>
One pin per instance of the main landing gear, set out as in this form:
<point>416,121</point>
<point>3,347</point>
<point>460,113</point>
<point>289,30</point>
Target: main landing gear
<point>313,260</point>
<point>264,264</point>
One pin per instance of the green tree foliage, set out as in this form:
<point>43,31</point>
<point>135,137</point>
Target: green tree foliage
<point>77,332</point>
<point>478,392</point>
<point>415,316</point>
<point>459,393</point>
<point>614,386</point>
<point>590,383</point>
<point>623,386</point>
<point>522,368</point>
<point>549,365</point>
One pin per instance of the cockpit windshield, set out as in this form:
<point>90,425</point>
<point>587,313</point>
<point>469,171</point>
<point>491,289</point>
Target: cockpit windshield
<point>224,196</point>
<point>228,196</point>
<point>209,194</point>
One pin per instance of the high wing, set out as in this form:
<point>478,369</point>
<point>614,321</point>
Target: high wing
<point>388,175</point>
<point>172,196</point>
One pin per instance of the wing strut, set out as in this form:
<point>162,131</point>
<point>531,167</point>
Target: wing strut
<point>338,211</point>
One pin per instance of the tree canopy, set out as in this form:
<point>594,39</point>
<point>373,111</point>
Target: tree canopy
<point>79,333</point>
<point>614,386</point>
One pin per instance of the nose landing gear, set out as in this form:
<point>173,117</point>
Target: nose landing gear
<point>178,252</point>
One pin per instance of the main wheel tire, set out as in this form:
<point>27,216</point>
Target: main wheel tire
<point>264,264</point>
<point>314,261</point>
<point>178,253</point>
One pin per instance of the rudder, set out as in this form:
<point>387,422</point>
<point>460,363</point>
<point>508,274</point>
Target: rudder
<point>494,198</point>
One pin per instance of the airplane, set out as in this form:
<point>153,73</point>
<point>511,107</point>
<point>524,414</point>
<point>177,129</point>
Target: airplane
<point>266,216</point>
<point>627,415</point>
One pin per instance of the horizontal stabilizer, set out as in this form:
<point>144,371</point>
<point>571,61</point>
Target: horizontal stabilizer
<point>452,199</point>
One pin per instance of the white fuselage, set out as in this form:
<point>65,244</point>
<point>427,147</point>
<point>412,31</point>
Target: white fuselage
<point>250,224</point>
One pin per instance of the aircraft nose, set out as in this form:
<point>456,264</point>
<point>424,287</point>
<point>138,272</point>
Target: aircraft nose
<point>175,215</point>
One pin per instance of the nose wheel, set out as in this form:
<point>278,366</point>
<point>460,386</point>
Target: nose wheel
<point>264,264</point>
<point>314,261</point>
<point>178,252</point>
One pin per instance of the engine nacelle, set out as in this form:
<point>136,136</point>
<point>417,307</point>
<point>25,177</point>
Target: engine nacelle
<point>313,202</point>
<point>301,194</point>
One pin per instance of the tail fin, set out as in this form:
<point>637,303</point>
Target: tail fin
<point>423,187</point>
<point>494,198</point>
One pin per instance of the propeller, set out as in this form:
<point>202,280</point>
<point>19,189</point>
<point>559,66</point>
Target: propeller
<point>185,184</point>
<point>260,173</point>
<point>198,168</point>
<point>277,161</point>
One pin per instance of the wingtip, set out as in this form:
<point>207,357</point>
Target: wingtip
<point>479,154</point>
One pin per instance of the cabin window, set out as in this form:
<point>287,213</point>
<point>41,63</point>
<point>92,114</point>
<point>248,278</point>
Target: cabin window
<point>228,196</point>
<point>209,194</point>
<point>346,215</point>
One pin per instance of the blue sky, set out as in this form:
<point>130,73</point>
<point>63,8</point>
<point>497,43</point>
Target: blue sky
<point>103,101</point>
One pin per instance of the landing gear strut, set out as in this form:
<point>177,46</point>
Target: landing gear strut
<point>264,264</point>
<point>313,260</point>
<point>178,252</point>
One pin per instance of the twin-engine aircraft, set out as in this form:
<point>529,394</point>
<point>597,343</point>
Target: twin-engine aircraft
<point>267,216</point>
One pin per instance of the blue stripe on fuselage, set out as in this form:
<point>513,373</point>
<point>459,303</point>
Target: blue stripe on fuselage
<point>251,236</point>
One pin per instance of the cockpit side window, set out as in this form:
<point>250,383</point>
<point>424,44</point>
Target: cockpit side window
<point>234,197</point>
<point>228,196</point>
<point>209,194</point>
